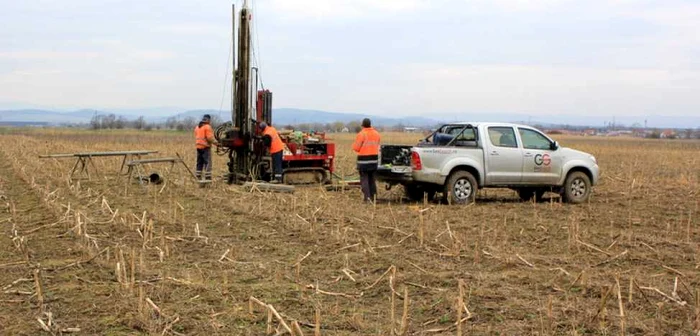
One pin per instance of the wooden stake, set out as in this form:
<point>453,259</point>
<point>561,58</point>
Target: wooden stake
<point>621,307</point>
<point>404,317</point>
<point>460,307</point>
<point>629,295</point>
<point>550,315</point>
<point>133,268</point>
<point>269,322</point>
<point>141,299</point>
<point>317,328</point>
<point>118,272</point>
<point>393,306</point>
<point>421,228</point>
<point>39,291</point>
<point>124,278</point>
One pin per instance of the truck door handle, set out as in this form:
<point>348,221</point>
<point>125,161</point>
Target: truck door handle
<point>528,154</point>
<point>494,153</point>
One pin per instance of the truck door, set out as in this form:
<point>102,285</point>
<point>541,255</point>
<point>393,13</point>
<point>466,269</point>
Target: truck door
<point>541,164</point>
<point>504,164</point>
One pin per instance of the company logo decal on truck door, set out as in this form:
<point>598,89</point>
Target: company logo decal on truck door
<point>542,162</point>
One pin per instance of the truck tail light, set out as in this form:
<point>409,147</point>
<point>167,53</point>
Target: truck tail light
<point>416,164</point>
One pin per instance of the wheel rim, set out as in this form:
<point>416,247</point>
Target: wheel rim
<point>578,188</point>
<point>462,189</point>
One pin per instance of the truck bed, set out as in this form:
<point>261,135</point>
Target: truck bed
<point>395,163</point>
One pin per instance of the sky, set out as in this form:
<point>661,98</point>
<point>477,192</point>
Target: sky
<point>382,57</point>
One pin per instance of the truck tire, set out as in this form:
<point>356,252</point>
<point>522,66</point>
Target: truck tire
<point>460,188</point>
<point>526,194</point>
<point>577,188</point>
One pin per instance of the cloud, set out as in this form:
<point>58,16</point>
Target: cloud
<point>408,56</point>
<point>568,90</point>
<point>340,9</point>
<point>518,5</point>
<point>191,28</point>
<point>47,54</point>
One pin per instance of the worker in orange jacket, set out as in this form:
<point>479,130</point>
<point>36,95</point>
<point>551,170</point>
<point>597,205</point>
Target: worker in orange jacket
<point>367,148</point>
<point>204,139</point>
<point>272,140</point>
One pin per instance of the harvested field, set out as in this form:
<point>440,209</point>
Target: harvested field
<point>93,257</point>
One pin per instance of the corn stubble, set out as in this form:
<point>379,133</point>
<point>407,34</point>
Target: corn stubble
<point>85,257</point>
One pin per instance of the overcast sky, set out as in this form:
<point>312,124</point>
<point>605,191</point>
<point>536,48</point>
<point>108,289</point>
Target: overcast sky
<point>408,57</point>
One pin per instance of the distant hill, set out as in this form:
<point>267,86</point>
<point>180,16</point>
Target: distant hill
<point>292,116</point>
<point>45,116</point>
<point>287,116</point>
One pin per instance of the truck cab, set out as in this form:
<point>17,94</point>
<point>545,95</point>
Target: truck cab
<point>458,159</point>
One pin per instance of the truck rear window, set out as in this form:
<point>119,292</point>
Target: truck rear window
<point>461,134</point>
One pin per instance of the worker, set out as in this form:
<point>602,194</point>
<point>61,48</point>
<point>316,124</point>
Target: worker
<point>272,140</point>
<point>204,139</point>
<point>367,148</point>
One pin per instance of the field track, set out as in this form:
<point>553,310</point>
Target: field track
<point>91,258</point>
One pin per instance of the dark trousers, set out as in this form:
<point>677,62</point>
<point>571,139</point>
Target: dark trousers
<point>368,184</point>
<point>277,165</point>
<point>204,163</point>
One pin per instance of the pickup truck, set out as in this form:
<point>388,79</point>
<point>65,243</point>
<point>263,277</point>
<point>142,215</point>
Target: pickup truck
<point>459,158</point>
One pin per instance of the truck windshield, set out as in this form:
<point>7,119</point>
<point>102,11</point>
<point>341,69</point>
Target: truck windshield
<point>463,135</point>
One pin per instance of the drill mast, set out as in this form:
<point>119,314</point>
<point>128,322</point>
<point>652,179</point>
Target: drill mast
<point>243,125</point>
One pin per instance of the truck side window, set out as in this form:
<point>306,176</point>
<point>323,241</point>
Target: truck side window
<point>533,140</point>
<point>503,137</point>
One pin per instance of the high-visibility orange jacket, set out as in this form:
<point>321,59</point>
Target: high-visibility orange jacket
<point>367,143</point>
<point>276,145</point>
<point>204,136</point>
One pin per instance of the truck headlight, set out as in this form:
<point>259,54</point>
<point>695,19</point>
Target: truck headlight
<point>593,159</point>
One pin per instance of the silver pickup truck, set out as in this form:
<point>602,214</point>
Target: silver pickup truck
<point>460,158</point>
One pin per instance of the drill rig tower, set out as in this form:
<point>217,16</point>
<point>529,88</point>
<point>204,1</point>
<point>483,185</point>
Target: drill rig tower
<point>239,136</point>
<point>308,160</point>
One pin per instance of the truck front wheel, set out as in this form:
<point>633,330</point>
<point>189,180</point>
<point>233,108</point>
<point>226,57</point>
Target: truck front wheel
<point>577,188</point>
<point>460,188</point>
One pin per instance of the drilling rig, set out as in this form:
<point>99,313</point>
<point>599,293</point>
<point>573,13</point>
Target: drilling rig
<point>306,160</point>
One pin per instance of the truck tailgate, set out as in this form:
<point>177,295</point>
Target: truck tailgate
<point>394,163</point>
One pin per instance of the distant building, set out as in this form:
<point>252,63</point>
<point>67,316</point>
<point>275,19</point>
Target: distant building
<point>345,130</point>
<point>668,134</point>
<point>410,129</point>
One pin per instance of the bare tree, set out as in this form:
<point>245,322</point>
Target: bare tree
<point>186,124</point>
<point>171,123</point>
<point>216,120</point>
<point>354,126</point>
<point>96,121</point>
<point>121,122</point>
<point>139,123</point>
<point>689,133</point>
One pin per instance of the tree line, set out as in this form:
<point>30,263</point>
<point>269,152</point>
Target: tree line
<point>112,121</point>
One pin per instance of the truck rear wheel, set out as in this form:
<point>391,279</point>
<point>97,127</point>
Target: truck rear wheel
<point>577,188</point>
<point>460,188</point>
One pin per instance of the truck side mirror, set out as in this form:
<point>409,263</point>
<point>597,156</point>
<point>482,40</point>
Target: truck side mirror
<point>554,146</point>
